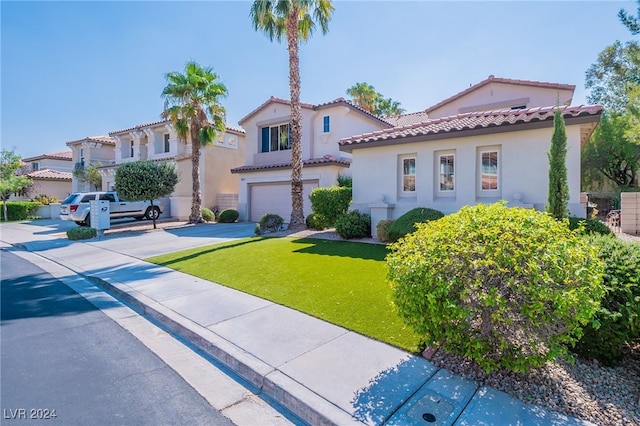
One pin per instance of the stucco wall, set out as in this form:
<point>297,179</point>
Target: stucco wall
<point>51,188</point>
<point>492,93</point>
<point>216,163</point>
<point>523,169</point>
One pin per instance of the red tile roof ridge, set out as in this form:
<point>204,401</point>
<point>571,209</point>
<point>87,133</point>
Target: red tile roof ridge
<point>102,139</point>
<point>165,121</point>
<point>62,155</point>
<point>50,174</point>
<point>494,79</point>
<point>431,126</point>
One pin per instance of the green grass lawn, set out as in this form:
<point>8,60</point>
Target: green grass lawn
<point>340,282</point>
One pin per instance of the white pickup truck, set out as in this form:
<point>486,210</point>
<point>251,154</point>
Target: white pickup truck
<point>76,207</point>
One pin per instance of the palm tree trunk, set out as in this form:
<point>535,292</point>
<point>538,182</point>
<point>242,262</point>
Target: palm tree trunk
<point>297,214</point>
<point>196,197</point>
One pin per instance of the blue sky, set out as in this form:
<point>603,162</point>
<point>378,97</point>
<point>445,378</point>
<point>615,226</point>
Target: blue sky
<point>76,69</point>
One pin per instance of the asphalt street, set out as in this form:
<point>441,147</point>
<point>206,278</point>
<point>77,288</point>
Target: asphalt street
<point>65,362</point>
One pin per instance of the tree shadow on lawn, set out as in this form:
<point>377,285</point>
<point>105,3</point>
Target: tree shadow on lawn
<point>342,248</point>
<point>205,252</point>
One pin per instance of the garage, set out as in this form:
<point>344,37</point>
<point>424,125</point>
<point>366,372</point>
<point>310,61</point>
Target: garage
<point>275,198</point>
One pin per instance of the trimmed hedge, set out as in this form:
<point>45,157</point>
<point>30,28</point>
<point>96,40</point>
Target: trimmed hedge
<point>328,203</point>
<point>504,286</point>
<point>19,210</point>
<point>405,224</point>
<point>617,320</point>
<point>269,223</point>
<point>207,215</point>
<point>353,224</point>
<point>228,216</point>
<point>81,233</point>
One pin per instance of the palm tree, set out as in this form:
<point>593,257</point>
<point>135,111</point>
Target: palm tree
<point>295,21</point>
<point>364,96</point>
<point>193,105</point>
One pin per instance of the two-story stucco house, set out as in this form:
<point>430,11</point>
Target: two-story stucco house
<point>51,174</point>
<point>484,144</point>
<point>90,151</point>
<point>158,141</point>
<point>265,177</point>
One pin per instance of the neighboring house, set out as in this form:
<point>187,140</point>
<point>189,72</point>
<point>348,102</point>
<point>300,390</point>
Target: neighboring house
<point>51,174</point>
<point>158,141</point>
<point>486,143</point>
<point>265,177</point>
<point>92,150</point>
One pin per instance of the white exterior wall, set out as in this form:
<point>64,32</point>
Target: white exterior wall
<point>496,96</point>
<point>523,169</point>
<point>325,175</point>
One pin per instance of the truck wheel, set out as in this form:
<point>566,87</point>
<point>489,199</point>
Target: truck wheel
<point>79,222</point>
<point>153,213</point>
<point>87,221</point>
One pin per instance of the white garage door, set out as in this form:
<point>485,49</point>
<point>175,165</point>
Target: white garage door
<point>275,198</point>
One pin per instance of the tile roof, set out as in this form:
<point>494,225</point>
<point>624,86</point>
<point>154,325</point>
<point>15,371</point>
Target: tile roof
<point>64,155</point>
<point>163,122</point>
<point>100,139</point>
<point>488,121</point>
<point>49,174</point>
<point>407,119</point>
<point>327,160</point>
<point>493,79</point>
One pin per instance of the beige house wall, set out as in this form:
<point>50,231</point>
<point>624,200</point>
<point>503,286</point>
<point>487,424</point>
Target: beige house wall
<point>51,188</point>
<point>630,212</point>
<point>523,172</point>
<point>496,96</point>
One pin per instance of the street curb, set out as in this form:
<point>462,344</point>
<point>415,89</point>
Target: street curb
<point>304,403</point>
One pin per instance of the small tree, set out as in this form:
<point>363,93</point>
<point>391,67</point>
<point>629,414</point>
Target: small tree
<point>145,180</point>
<point>10,182</point>
<point>558,184</point>
<point>90,174</point>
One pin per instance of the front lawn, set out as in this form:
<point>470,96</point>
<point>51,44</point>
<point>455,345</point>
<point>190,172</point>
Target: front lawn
<point>340,282</point>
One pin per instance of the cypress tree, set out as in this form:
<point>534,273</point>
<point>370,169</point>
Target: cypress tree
<point>558,184</point>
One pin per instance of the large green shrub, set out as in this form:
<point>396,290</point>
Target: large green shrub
<point>81,233</point>
<point>382,229</point>
<point>20,210</point>
<point>618,318</point>
<point>353,224</point>
<point>228,216</point>
<point>313,222</point>
<point>506,287</point>
<point>405,224</point>
<point>328,203</point>
<point>589,226</point>
<point>207,214</point>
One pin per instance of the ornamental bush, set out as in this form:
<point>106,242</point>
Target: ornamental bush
<point>505,287</point>
<point>313,223</point>
<point>228,216</point>
<point>81,233</point>
<point>382,229</point>
<point>617,320</point>
<point>328,203</point>
<point>207,215</point>
<point>353,224</point>
<point>45,200</point>
<point>590,226</point>
<point>269,223</point>
<point>405,224</point>
<point>20,210</point>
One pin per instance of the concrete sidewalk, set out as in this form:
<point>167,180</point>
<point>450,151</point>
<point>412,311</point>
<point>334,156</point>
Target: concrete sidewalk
<point>323,373</point>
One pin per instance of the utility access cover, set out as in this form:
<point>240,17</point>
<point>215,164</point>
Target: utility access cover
<point>431,409</point>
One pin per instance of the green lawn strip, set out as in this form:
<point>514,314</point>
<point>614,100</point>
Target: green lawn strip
<point>340,282</point>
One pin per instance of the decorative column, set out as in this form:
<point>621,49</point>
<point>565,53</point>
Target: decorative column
<point>380,210</point>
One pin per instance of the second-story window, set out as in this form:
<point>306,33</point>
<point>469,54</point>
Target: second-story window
<point>167,148</point>
<point>82,155</point>
<point>326,127</point>
<point>131,153</point>
<point>35,167</point>
<point>275,138</point>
